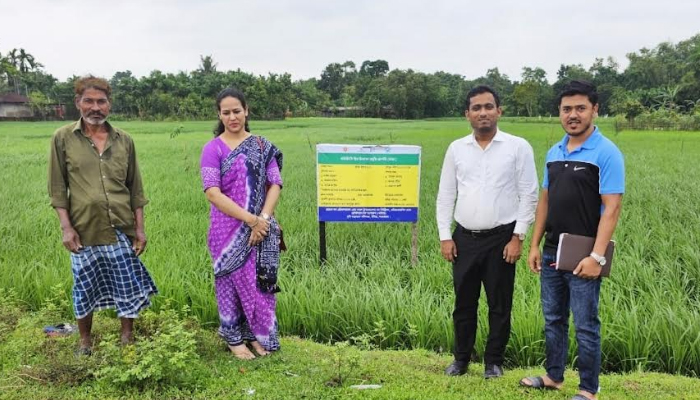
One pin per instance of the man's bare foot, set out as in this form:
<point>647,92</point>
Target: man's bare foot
<point>84,346</point>
<point>127,338</point>
<point>541,382</point>
<point>86,342</point>
<point>257,347</point>
<point>241,352</point>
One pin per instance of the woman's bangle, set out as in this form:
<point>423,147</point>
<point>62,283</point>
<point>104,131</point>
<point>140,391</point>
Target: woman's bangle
<point>257,221</point>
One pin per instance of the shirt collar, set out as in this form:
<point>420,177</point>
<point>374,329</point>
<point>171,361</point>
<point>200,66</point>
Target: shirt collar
<point>498,137</point>
<point>589,144</point>
<point>78,127</point>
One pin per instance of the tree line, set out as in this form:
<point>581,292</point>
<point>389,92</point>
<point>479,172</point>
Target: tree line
<point>663,81</point>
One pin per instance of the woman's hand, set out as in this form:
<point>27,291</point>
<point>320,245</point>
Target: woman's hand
<point>259,230</point>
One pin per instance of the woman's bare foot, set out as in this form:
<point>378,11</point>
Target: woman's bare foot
<point>257,347</point>
<point>241,352</point>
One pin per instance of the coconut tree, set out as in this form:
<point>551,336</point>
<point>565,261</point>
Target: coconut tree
<point>26,62</point>
<point>16,63</point>
<point>8,71</point>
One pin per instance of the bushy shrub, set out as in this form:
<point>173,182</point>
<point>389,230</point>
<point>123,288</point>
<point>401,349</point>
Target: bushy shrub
<point>164,353</point>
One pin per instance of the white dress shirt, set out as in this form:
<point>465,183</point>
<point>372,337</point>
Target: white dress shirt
<point>492,186</point>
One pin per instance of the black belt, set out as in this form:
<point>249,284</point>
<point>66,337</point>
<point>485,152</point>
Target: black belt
<point>488,232</point>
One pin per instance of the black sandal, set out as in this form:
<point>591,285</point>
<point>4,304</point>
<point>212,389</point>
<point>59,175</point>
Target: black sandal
<point>537,383</point>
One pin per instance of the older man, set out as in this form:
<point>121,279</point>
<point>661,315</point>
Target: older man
<point>95,187</point>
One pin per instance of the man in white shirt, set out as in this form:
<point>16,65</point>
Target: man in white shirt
<point>488,186</point>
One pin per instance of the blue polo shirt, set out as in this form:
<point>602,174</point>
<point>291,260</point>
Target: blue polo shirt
<point>575,182</point>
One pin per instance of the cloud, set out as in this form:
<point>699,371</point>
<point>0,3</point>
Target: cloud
<point>302,37</point>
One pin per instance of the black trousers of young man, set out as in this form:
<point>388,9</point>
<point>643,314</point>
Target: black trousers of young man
<point>480,260</point>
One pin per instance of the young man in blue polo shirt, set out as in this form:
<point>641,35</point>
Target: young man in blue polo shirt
<point>584,180</point>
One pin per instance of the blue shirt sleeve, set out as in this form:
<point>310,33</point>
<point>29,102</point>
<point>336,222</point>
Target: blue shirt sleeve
<point>547,159</point>
<point>612,172</point>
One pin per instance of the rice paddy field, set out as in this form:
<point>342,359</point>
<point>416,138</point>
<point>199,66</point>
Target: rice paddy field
<point>368,292</point>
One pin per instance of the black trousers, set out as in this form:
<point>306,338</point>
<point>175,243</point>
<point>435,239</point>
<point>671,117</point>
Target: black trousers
<point>480,259</point>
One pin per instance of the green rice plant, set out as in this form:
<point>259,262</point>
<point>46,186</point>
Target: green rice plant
<point>648,308</point>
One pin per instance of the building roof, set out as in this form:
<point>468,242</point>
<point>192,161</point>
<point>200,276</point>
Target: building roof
<point>13,98</point>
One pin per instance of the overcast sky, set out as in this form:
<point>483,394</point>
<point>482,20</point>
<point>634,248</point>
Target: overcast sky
<point>302,37</point>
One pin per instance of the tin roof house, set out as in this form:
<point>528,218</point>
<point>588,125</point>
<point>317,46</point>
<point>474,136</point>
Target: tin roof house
<point>14,106</point>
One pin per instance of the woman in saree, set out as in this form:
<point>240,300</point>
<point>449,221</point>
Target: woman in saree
<point>241,179</point>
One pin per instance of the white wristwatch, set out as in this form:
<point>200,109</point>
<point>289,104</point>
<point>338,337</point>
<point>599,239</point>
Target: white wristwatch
<point>599,259</point>
<point>265,216</point>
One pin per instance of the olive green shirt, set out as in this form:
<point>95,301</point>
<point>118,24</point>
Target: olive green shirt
<point>100,191</point>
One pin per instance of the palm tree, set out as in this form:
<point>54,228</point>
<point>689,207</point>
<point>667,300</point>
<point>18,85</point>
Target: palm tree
<point>17,63</point>
<point>207,64</point>
<point>13,57</point>
<point>27,62</point>
<point>5,70</point>
<point>8,67</point>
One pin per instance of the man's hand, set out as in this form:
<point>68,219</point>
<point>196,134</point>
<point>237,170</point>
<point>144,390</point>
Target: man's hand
<point>512,251</point>
<point>448,249</point>
<point>140,240</point>
<point>588,268</point>
<point>71,240</point>
<point>534,260</point>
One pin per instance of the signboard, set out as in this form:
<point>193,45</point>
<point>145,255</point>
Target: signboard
<point>358,183</point>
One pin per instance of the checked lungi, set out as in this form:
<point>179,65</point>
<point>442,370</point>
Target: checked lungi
<point>110,276</point>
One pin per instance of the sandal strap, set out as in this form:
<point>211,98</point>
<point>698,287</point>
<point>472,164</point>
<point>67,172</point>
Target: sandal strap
<point>536,382</point>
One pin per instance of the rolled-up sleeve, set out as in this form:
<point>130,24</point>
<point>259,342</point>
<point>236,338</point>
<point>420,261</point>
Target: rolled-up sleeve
<point>58,174</point>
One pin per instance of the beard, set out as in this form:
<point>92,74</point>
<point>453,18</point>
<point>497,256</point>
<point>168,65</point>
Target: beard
<point>95,118</point>
<point>580,131</point>
<point>485,129</point>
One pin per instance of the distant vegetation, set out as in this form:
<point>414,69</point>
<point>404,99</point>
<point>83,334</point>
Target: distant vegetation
<point>659,85</point>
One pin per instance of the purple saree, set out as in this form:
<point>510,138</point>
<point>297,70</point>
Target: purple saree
<point>245,276</point>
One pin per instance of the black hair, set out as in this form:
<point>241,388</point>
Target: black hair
<point>480,90</point>
<point>236,94</point>
<point>575,87</point>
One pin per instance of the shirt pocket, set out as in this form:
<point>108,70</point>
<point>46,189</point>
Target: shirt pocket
<point>75,163</point>
<point>116,165</point>
<point>502,170</point>
<point>81,162</point>
<point>467,172</point>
